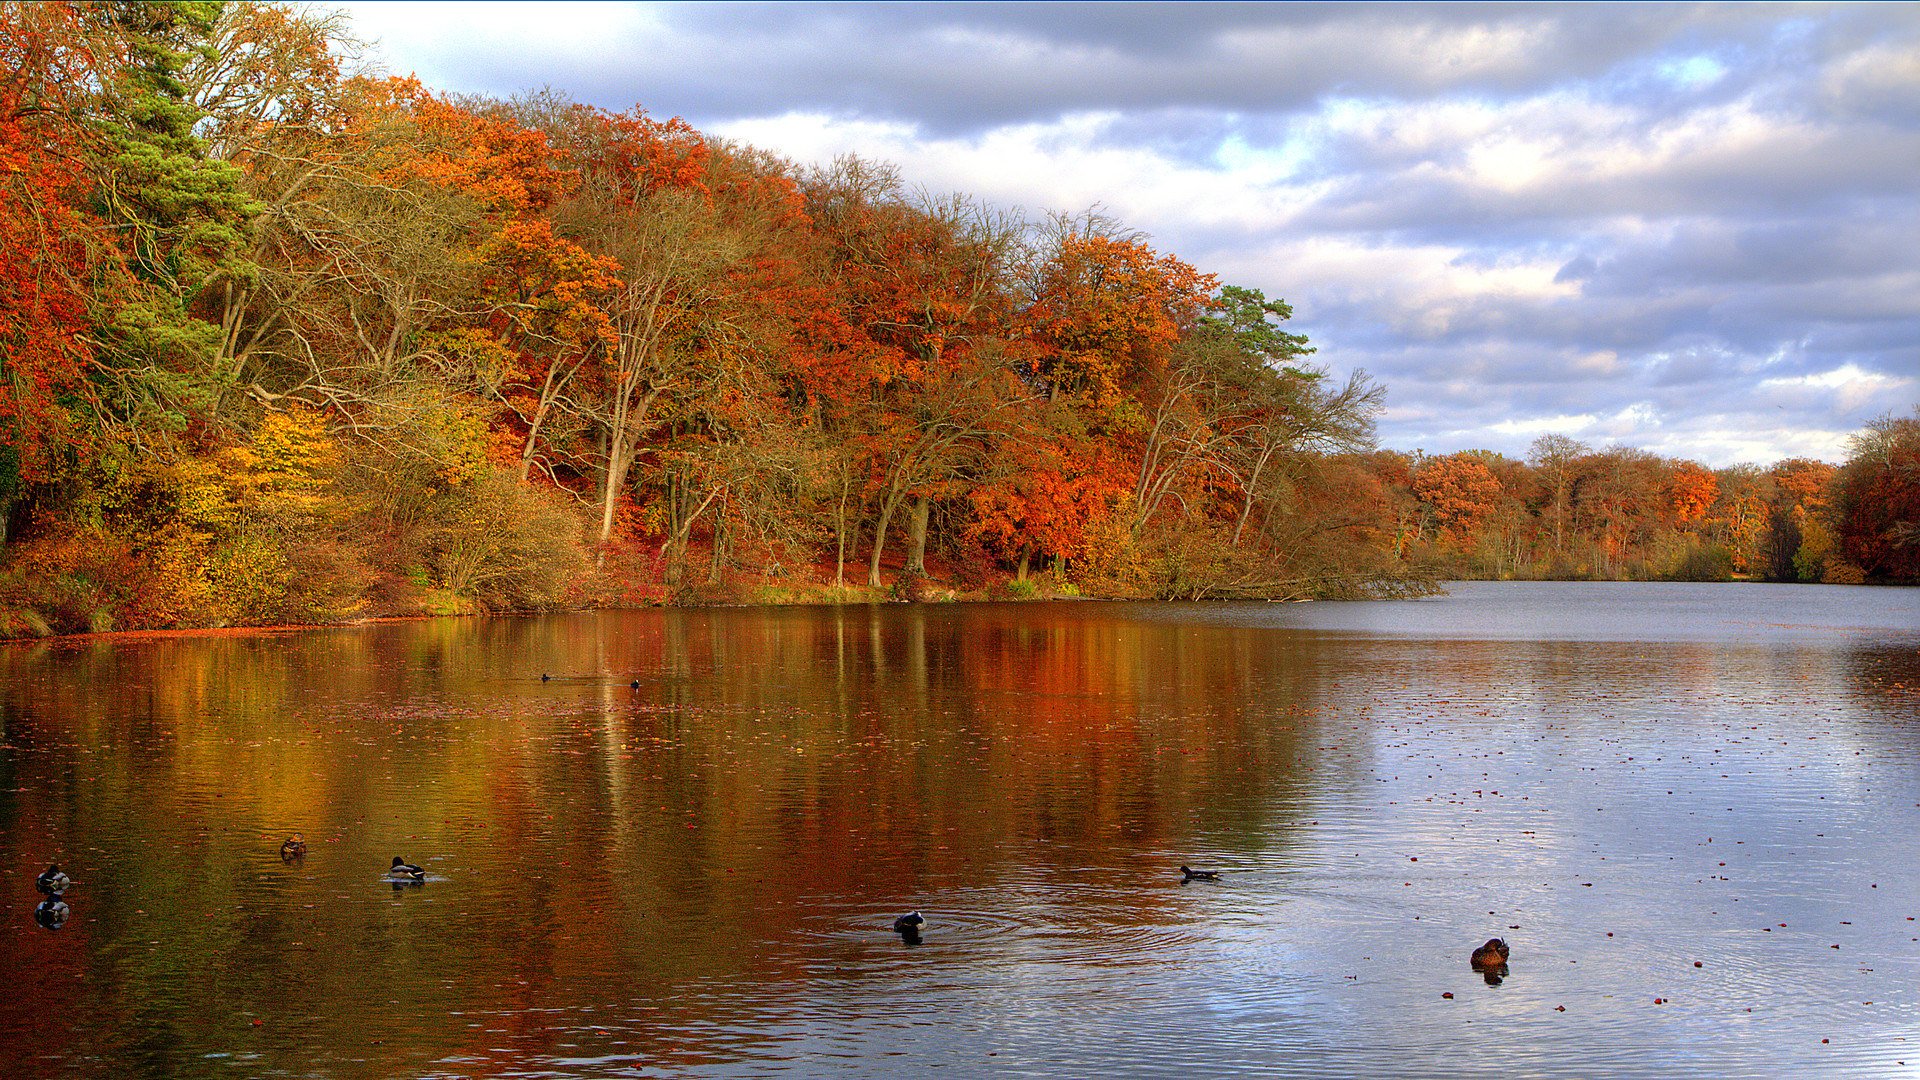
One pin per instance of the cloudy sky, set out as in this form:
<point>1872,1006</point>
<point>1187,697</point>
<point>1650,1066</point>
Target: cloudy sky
<point>1692,229</point>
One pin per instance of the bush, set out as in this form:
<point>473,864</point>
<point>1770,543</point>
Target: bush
<point>506,545</point>
<point>1704,563</point>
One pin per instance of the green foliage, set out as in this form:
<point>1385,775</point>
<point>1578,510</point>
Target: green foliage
<point>248,578</point>
<point>1704,563</point>
<point>181,220</point>
<point>1252,322</point>
<point>1818,548</point>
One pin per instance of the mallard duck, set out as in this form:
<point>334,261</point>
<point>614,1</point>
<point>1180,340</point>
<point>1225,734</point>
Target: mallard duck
<point>1187,873</point>
<point>402,870</point>
<point>52,880</point>
<point>292,848</point>
<point>909,923</point>
<point>1493,954</point>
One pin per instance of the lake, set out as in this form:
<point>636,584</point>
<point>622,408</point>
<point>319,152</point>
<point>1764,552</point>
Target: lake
<point>1692,812</point>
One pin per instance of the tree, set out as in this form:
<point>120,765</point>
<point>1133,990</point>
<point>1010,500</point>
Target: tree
<point>1461,492</point>
<point>1108,316</point>
<point>548,299</point>
<point>643,204</point>
<point>1554,456</point>
<point>1616,502</point>
<point>1278,408</point>
<point>50,243</point>
<point>1877,503</point>
<point>929,384</point>
<point>180,217</point>
<point>1739,515</point>
<point>1689,491</point>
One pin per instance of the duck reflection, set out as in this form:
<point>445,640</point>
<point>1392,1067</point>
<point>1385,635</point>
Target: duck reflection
<point>1490,960</point>
<point>52,913</point>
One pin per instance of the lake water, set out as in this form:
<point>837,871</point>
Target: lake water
<point>1693,811</point>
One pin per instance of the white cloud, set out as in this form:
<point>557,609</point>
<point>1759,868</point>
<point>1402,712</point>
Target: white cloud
<point>1845,390</point>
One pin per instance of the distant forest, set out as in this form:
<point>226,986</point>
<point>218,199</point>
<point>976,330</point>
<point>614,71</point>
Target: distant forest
<point>283,343</point>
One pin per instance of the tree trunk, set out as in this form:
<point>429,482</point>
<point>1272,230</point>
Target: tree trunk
<point>917,516</point>
<point>887,508</point>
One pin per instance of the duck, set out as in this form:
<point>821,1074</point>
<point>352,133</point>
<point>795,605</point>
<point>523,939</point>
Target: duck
<point>292,848</point>
<point>1493,954</point>
<point>402,870</point>
<point>1187,874</point>
<point>909,923</point>
<point>52,880</point>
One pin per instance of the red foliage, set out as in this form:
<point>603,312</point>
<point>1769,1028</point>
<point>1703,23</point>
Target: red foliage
<point>47,241</point>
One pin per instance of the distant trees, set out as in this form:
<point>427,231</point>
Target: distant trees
<point>1620,513</point>
<point>1876,500</point>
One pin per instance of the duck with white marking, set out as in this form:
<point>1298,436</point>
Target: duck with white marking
<point>52,880</point>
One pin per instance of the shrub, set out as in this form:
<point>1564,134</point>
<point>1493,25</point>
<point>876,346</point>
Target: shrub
<point>1704,563</point>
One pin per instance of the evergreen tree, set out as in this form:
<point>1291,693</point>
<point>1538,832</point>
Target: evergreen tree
<point>181,219</point>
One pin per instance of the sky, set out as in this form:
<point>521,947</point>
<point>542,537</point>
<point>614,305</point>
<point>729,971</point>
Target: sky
<point>1693,229</point>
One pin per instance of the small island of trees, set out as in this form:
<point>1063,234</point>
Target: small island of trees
<point>285,343</point>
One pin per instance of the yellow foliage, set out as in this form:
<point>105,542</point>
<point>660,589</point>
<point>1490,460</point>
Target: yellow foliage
<point>1109,554</point>
<point>464,445</point>
<point>175,590</point>
<point>291,459</point>
<point>249,574</point>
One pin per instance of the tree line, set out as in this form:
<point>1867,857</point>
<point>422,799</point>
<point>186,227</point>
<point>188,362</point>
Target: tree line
<point>287,341</point>
<point>1618,513</point>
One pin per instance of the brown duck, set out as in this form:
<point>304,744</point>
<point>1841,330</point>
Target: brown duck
<point>1492,954</point>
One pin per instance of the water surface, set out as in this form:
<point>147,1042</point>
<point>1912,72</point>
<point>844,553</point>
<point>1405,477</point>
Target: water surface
<point>1690,809</point>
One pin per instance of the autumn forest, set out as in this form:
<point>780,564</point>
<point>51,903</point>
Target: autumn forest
<point>285,342</point>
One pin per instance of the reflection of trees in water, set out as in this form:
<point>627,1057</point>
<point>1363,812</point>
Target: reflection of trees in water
<point>1884,679</point>
<point>767,759</point>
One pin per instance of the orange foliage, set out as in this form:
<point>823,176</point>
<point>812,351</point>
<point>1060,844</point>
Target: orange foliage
<point>1104,319</point>
<point>1054,506</point>
<point>1803,482</point>
<point>1690,491</point>
<point>1462,491</point>
<point>502,166</point>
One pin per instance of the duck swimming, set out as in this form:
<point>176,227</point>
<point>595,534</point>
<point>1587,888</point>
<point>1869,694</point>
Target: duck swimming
<point>909,923</point>
<point>1189,874</point>
<point>1493,954</point>
<point>52,880</point>
<point>292,848</point>
<point>402,870</point>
